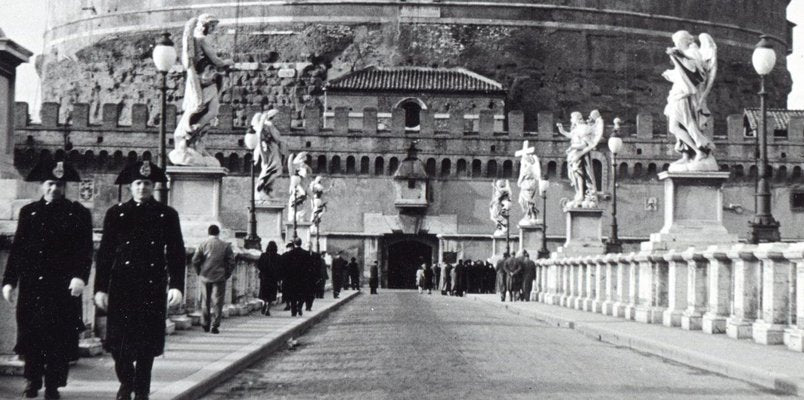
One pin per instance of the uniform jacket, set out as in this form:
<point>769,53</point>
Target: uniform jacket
<point>52,245</point>
<point>213,260</point>
<point>338,269</point>
<point>141,253</point>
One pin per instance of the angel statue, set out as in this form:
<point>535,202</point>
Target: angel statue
<point>500,206</point>
<point>298,171</point>
<point>584,137</point>
<point>693,73</point>
<point>319,206</point>
<point>530,172</point>
<point>201,89</point>
<point>268,151</point>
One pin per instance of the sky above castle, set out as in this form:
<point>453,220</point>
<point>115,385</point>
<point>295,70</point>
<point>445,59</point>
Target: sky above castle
<point>24,21</point>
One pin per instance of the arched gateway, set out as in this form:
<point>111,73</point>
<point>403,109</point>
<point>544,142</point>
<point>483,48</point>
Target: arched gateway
<point>403,254</point>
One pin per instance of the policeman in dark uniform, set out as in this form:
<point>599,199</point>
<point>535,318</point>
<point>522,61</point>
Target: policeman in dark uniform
<point>141,254</point>
<point>49,261</point>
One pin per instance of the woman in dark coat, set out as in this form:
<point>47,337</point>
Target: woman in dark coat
<point>270,268</point>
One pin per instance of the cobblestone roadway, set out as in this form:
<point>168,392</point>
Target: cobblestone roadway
<point>402,345</point>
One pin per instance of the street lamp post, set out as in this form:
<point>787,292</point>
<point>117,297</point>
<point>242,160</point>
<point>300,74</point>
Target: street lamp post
<point>507,214</point>
<point>543,185</point>
<point>615,146</point>
<point>764,228</point>
<point>164,56</point>
<point>295,233</point>
<point>252,240</point>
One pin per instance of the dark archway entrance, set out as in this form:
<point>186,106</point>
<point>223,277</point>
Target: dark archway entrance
<point>404,258</point>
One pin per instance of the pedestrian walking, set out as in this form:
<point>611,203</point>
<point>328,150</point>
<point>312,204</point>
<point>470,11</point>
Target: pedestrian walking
<point>354,273</point>
<point>312,279</point>
<point>436,275</point>
<point>141,254</point>
<point>428,278</point>
<point>213,262</point>
<point>338,268</point>
<point>49,261</point>
<point>528,275</point>
<point>446,279</point>
<point>420,278</point>
<point>374,277</point>
<point>270,267</point>
<point>285,299</point>
<point>323,277</point>
<point>513,267</point>
<point>502,277</point>
<point>297,263</point>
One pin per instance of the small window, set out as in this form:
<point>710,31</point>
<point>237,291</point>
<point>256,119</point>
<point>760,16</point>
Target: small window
<point>411,184</point>
<point>780,133</point>
<point>412,110</point>
<point>797,200</point>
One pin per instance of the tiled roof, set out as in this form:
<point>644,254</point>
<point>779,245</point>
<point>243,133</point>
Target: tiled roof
<point>777,118</point>
<point>426,79</point>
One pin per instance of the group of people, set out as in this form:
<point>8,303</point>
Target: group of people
<point>466,276</point>
<point>515,275</point>
<point>345,275</point>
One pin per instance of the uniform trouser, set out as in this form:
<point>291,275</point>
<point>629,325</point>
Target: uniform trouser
<point>212,300</point>
<point>43,364</point>
<point>134,374</point>
<point>296,304</point>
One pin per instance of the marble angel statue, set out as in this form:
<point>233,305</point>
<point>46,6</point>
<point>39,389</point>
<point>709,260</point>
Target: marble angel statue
<point>500,206</point>
<point>298,168</point>
<point>530,172</point>
<point>268,151</point>
<point>318,204</point>
<point>692,76</point>
<point>584,137</point>
<point>202,87</point>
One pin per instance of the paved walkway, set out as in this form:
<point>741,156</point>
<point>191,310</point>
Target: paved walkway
<point>194,361</point>
<point>773,367</point>
<point>406,345</point>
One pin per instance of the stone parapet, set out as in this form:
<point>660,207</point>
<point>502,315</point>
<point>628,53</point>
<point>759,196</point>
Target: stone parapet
<point>743,291</point>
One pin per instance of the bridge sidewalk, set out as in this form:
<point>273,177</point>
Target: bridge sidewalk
<point>194,362</point>
<point>773,367</point>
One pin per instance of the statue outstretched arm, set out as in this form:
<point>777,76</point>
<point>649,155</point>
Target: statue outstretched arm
<point>213,55</point>
<point>562,131</point>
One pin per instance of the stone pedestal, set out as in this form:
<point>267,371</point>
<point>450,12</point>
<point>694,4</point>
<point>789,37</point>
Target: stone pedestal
<point>530,238</point>
<point>302,231</point>
<point>693,212</point>
<point>269,221</point>
<point>738,328</point>
<point>584,233</point>
<point>195,192</point>
<point>767,333</point>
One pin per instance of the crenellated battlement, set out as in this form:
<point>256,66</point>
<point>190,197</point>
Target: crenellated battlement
<point>453,145</point>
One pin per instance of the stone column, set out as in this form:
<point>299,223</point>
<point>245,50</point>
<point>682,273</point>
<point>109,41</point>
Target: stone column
<point>611,284</point>
<point>591,283</point>
<point>652,288</point>
<point>676,288</point>
<point>794,336</point>
<point>534,292</point>
<point>775,281</point>
<point>633,286</point>
<point>720,293</point>
<point>697,296</point>
<point>745,268</point>
<point>622,286</point>
<point>600,284</point>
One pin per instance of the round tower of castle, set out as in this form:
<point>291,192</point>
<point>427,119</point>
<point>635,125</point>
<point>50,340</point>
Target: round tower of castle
<point>555,55</point>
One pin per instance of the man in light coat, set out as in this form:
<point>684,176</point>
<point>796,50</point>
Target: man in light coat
<point>213,261</point>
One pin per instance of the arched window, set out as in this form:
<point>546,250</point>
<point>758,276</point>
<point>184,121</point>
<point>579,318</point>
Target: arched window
<point>637,170</point>
<point>321,165</point>
<point>88,159</point>
<point>564,172</point>
<point>753,172</point>
<point>131,159</point>
<point>508,169</point>
<point>460,170</point>
<point>413,108</point>
<point>234,162</point>
<point>739,171</point>
<point>491,169</point>
<point>59,155</point>
<point>117,158</point>
<point>364,165</point>
<point>446,166</point>
<point>430,167</point>
<point>665,166</point>
<point>781,173</point>
<point>551,169</point>
<point>796,176</point>
<point>335,165</point>
<point>393,164</point>
<point>350,165</point>
<point>623,171</point>
<point>651,171</point>
<point>477,167</point>
<point>379,166</point>
<point>103,158</point>
<point>247,164</point>
<point>598,167</point>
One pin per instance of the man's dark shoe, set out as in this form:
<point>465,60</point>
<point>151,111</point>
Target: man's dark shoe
<point>31,389</point>
<point>52,394</point>
<point>206,328</point>
<point>300,313</point>
<point>215,331</point>
<point>141,396</point>
<point>123,394</point>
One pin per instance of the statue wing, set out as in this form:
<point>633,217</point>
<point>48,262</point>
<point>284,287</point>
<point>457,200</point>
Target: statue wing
<point>597,133</point>
<point>188,43</point>
<point>709,61</point>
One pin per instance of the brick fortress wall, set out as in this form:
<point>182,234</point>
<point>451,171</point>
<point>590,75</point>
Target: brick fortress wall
<point>554,55</point>
<point>462,159</point>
